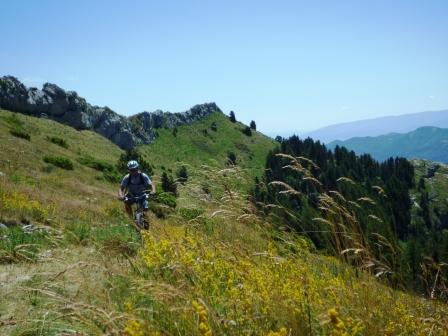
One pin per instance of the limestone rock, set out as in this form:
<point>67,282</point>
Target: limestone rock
<point>68,108</point>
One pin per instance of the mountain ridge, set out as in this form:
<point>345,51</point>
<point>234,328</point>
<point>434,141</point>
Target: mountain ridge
<point>379,126</point>
<point>70,109</point>
<point>428,142</point>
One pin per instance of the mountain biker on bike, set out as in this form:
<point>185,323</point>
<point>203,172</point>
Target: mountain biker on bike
<point>134,185</point>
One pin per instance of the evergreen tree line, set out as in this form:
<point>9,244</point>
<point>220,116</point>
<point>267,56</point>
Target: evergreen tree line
<point>387,214</point>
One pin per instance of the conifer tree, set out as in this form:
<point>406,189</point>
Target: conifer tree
<point>231,158</point>
<point>168,184</point>
<point>232,116</point>
<point>182,174</point>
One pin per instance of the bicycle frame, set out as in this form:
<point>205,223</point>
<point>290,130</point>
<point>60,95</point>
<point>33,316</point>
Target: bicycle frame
<point>139,219</point>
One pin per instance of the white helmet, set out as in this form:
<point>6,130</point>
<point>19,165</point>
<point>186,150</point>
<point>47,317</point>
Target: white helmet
<point>132,164</point>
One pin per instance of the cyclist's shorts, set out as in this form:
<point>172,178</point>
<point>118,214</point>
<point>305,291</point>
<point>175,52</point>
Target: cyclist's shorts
<point>143,201</point>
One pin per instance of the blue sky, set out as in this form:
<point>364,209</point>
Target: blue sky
<point>291,66</point>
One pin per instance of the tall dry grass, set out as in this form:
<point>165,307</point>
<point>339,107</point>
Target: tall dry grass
<point>220,270</point>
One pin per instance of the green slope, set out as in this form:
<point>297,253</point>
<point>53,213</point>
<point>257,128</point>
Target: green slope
<point>198,144</point>
<point>212,265</point>
<point>430,143</point>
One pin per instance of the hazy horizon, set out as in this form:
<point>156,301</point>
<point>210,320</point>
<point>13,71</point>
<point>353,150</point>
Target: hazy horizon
<point>292,66</point>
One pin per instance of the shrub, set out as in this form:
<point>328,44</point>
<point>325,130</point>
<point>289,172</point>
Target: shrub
<point>166,199</point>
<point>58,141</point>
<point>214,126</point>
<point>59,161</point>
<point>182,174</point>
<point>17,127</point>
<point>190,213</point>
<point>96,164</point>
<point>231,158</point>
<point>112,176</point>
<point>22,206</point>
<point>168,184</point>
<point>110,173</point>
<point>20,133</point>
<point>160,210</point>
<point>13,120</point>
<point>247,131</point>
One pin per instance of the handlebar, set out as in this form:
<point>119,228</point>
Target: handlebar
<point>137,198</point>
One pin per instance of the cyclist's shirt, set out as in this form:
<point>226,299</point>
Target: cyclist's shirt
<point>136,185</point>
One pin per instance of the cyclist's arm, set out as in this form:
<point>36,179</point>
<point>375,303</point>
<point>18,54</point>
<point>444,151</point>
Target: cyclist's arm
<point>121,191</point>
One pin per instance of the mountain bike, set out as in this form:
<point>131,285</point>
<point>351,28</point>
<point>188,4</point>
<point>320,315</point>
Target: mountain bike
<point>140,220</point>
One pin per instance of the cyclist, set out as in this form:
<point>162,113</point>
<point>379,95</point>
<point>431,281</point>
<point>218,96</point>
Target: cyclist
<point>134,185</point>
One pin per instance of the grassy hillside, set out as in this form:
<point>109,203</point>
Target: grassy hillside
<point>430,143</point>
<point>213,266</point>
<point>198,144</point>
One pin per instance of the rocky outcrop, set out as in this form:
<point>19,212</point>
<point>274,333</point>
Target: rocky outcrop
<point>68,108</point>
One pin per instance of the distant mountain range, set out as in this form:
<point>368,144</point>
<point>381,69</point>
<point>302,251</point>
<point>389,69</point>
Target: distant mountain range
<point>380,126</point>
<point>428,142</point>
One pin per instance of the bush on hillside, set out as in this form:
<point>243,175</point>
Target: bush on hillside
<point>110,172</point>
<point>182,174</point>
<point>96,164</point>
<point>190,213</point>
<point>214,126</point>
<point>168,184</point>
<point>167,199</point>
<point>247,131</point>
<point>231,158</point>
<point>58,141</point>
<point>112,176</point>
<point>13,120</point>
<point>20,133</point>
<point>160,210</point>
<point>59,161</point>
<point>17,128</point>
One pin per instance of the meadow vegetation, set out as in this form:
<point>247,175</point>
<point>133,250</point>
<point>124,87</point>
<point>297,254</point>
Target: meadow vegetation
<point>213,264</point>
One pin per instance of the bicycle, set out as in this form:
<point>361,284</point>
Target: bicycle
<point>139,219</point>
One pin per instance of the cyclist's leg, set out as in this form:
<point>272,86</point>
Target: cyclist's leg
<point>145,207</point>
<point>128,208</point>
